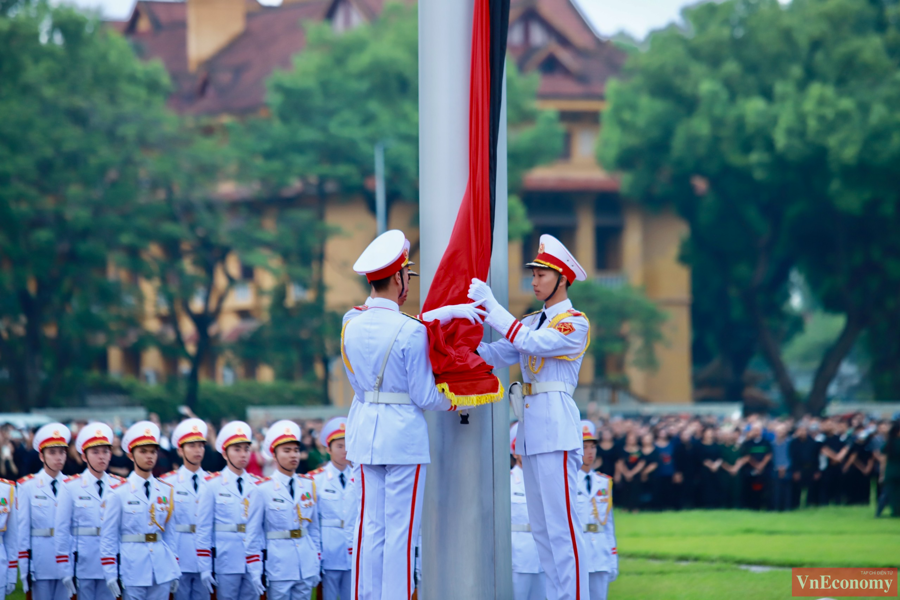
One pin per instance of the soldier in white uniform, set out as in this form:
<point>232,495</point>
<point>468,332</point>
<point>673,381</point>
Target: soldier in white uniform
<point>225,504</point>
<point>9,532</point>
<point>286,520</point>
<point>137,525</point>
<point>595,507</point>
<point>335,484</point>
<point>78,515</point>
<point>39,564</point>
<point>548,346</point>
<point>189,438</point>
<point>529,581</point>
<point>386,356</point>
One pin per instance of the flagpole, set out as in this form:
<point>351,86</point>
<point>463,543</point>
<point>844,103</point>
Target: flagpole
<point>466,545</point>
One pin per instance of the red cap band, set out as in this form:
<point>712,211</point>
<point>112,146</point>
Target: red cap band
<point>557,265</point>
<point>389,270</point>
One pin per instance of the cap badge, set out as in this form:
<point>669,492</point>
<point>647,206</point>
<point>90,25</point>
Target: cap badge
<point>541,249</point>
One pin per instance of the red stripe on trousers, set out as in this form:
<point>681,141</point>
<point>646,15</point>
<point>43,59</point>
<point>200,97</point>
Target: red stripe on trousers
<point>362,512</point>
<point>571,527</point>
<point>412,517</point>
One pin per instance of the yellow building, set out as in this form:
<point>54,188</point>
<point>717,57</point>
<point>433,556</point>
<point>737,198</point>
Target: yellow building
<point>212,51</point>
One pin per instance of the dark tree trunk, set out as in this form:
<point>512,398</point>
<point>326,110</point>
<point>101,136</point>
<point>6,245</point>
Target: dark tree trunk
<point>830,364</point>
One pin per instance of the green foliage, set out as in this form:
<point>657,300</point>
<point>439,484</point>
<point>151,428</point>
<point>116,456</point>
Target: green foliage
<point>348,91</point>
<point>81,120</point>
<point>769,129</point>
<point>820,330</point>
<point>519,224</point>
<point>624,323</point>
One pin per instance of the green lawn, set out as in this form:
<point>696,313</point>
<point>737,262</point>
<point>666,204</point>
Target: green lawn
<point>695,555</point>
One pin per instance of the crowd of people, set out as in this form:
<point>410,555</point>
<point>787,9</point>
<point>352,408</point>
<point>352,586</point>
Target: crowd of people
<point>684,462</point>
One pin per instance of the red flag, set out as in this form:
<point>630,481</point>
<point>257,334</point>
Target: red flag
<point>460,373</point>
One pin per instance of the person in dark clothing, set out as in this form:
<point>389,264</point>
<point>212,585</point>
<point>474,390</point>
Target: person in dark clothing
<point>665,488</point>
<point>607,453</point>
<point>758,452</point>
<point>650,458</point>
<point>685,478</point>
<point>804,467</point>
<point>213,462</point>
<point>730,478</point>
<point>119,463</point>
<point>709,454</point>
<point>857,470</point>
<point>892,469</point>
<point>835,450</point>
<point>74,462</point>
<point>782,478</point>
<point>628,466</point>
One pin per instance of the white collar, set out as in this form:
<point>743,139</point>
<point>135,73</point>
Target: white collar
<point>187,473</point>
<point>383,303</point>
<point>90,479</point>
<point>281,477</point>
<point>138,481</point>
<point>334,468</point>
<point>46,475</point>
<point>558,308</point>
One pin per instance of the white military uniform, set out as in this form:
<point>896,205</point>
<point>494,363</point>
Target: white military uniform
<point>386,356</point>
<point>36,513</point>
<point>187,484</point>
<point>136,528</point>
<point>595,509</point>
<point>528,576</point>
<point>79,514</point>
<point>549,346</point>
<point>8,534</point>
<point>225,504</point>
<point>285,523</point>
<point>338,505</point>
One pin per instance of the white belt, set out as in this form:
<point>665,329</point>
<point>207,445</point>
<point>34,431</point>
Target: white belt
<point>85,531</point>
<point>42,532</point>
<point>186,528</point>
<point>292,534</point>
<point>332,523</point>
<point>141,538</point>
<point>232,528</point>
<point>526,527</point>
<point>387,398</point>
<point>542,387</point>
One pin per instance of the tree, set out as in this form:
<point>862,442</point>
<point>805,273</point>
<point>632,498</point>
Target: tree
<point>768,128</point>
<point>625,325</point>
<point>81,118</point>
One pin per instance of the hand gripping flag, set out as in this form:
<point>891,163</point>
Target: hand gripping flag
<point>462,375</point>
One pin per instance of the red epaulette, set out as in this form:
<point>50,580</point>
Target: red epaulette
<point>118,478</point>
<point>363,307</point>
<point>316,471</point>
<point>117,484</point>
<point>574,312</point>
<point>211,476</point>
<point>169,474</point>
<point>165,483</point>
<point>260,480</point>
<point>603,474</point>
<point>7,481</point>
<point>26,478</point>
<point>72,478</point>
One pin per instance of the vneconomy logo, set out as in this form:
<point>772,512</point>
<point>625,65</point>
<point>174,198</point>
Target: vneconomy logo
<point>844,582</point>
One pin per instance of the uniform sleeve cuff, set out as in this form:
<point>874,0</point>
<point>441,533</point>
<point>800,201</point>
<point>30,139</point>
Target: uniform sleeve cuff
<point>504,323</point>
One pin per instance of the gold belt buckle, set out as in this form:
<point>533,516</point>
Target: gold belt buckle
<point>593,528</point>
<point>526,389</point>
<point>193,528</point>
<point>242,528</point>
<point>149,537</point>
<point>296,534</point>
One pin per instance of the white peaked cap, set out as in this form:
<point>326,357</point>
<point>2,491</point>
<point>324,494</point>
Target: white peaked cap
<point>552,254</point>
<point>93,435</point>
<point>279,433</point>
<point>588,431</point>
<point>142,433</point>
<point>52,435</point>
<point>386,255</point>
<point>189,430</point>
<point>236,432</point>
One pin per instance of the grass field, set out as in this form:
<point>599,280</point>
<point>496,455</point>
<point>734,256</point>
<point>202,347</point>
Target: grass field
<point>698,555</point>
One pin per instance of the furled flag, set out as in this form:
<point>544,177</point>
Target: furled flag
<point>462,375</point>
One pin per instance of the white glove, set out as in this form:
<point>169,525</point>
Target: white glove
<point>10,587</point>
<point>480,293</point>
<point>24,575</point>
<point>69,583</point>
<point>445,314</point>
<point>174,586</point>
<point>260,588</point>
<point>113,586</point>
<point>208,580</point>
<point>613,575</point>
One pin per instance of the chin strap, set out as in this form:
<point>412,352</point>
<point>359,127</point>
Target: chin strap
<point>559,279</point>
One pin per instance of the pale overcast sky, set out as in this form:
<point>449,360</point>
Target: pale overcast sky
<point>636,17</point>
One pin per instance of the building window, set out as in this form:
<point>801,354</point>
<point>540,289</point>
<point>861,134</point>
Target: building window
<point>228,375</point>
<point>537,34</point>
<point>587,140</point>
<point>516,35</point>
<point>345,17</point>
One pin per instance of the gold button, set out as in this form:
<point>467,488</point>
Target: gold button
<point>527,406</point>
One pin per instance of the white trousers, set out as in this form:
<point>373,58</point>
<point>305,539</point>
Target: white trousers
<point>48,589</point>
<point>93,589</point>
<point>157,591</point>
<point>190,587</point>
<point>551,492</point>
<point>336,584</point>
<point>599,582</point>
<point>529,586</point>
<point>235,586</point>
<point>387,528</point>
<point>291,590</point>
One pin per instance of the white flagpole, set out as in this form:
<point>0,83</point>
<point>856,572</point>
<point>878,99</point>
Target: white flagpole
<point>466,549</point>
